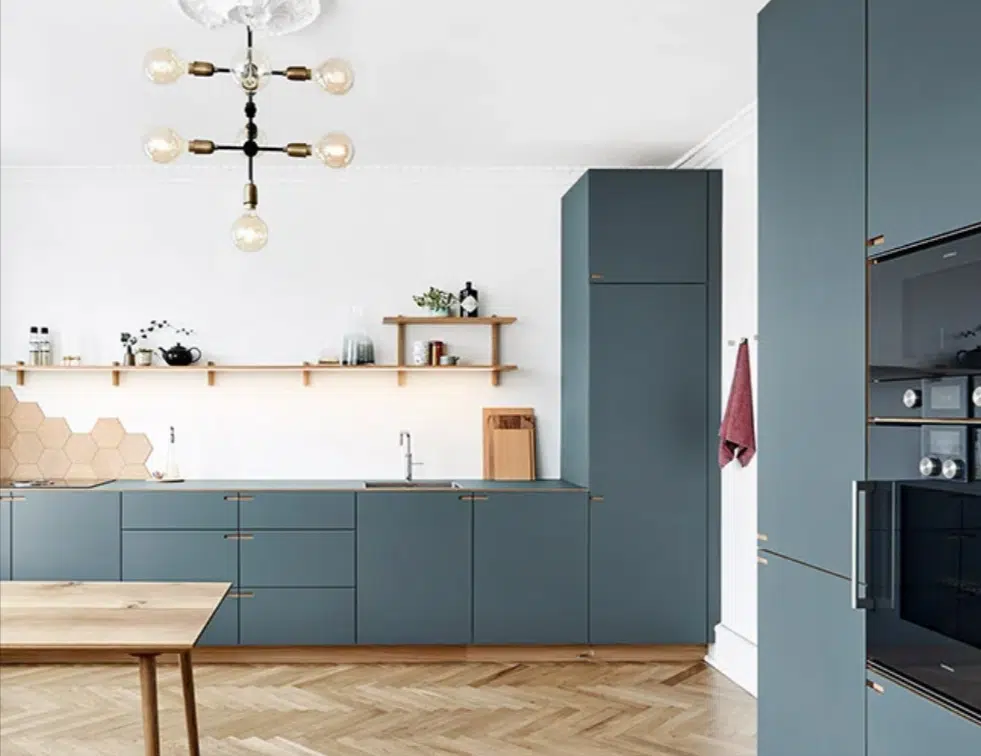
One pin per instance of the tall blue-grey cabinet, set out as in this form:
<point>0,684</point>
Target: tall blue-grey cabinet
<point>924,119</point>
<point>811,403</point>
<point>640,396</point>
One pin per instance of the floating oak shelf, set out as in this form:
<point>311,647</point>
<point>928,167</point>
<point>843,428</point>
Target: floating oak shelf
<point>494,321</point>
<point>211,370</point>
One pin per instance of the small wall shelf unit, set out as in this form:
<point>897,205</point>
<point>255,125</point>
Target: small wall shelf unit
<point>210,370</point>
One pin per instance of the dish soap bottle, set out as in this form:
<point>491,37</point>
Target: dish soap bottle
<point>469,303</point>
<point>173,471</point>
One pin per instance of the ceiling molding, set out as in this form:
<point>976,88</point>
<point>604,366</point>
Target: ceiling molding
<point>736,130</point>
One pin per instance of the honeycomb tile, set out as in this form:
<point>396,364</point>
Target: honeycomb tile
<point>54,463</point>
<point>26,472</point>
<point>80,448</point>
<point>54,432</point>
<point>27,448</point>
<point>107,433</point>
<point>7,463</point>
<point>8,400</point>
<point>135,448</point>
<point>27,416</point>
<point>134,472</point>
<point>7,432</point>
<point>80,472</point>
<point>107,463</point>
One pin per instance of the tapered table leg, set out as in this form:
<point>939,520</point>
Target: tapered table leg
<point>151,717</point>
<point>190,706</point>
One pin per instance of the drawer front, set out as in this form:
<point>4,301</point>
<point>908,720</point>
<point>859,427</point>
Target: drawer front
<point>195,510</point>
<point>282,510</point>
<point>297,616</point>
<point>297,558</point>
<point>4,539</point>
<point>180,555</point>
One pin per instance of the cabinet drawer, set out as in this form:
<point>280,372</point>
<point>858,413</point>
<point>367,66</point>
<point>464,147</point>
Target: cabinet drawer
<point>304,509</point>
<point>180,555</point>
<point>297,558</point>
<point>191,511</point>
<point>297,616</point>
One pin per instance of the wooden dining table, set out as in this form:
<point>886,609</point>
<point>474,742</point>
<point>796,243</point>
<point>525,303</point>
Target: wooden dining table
<point>143,620</point>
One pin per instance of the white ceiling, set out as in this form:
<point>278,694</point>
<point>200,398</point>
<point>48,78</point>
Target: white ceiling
<point>439,82</point>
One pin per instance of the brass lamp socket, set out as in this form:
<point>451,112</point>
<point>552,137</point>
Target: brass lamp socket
<point>299,73</point>
<point>201,68</point>
<point>251,196</point>
<point>201,146</point>
<point>299,150</point>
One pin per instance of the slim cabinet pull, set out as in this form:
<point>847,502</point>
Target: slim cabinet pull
<point>17,498</point>
<point>241,595</point>
<point>480,497</point>
<point>761,560</point>
<point>465,497</point>
<point>238,536</point>
<point>876,241</point>
<point>597,499</point>
<point>231,497</point>
<point>875,686</point>
<point>596,276</point>
<point>244,497</point>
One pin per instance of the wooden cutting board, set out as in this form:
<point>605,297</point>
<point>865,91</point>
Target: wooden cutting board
<point>509,443</point>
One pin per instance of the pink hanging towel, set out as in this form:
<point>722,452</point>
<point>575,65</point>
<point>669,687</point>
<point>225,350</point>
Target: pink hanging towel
<point>737,434</point>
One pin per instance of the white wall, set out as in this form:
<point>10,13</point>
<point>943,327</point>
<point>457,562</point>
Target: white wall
<point>95,251</point>
<point>733,150</point>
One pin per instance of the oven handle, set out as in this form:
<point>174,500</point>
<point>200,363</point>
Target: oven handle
<point>859,505</point>
<point>893,547</point>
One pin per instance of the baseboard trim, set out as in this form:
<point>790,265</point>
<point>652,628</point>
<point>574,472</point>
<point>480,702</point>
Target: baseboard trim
<point>735,657</point>
<point>382,655</point>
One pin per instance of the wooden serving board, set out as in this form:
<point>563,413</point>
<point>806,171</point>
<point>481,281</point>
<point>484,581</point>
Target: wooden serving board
<point>509,443</point>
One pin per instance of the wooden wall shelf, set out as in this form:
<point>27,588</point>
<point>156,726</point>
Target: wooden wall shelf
<point>211,370</point>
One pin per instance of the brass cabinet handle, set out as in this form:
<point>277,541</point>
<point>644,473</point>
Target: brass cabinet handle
<point>231,497</point>
<point>876,241</point>
<point>241,595</point>
<point>596,276</point>
<point>238,536</point>
<point>597,499</point>
<point>875,686</point>
<point>761,560</point>
<point>480,497</point>
<point>465,497</point>
<point>244,497</point>
<point>17,498</point>
<point>762,537</point>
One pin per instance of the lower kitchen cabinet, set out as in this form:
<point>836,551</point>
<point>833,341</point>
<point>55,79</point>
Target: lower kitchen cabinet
<point>65,535</point>
<point>296,616</point>
<point>902,723</point>
<point>414,567</point>
<point>188,555</point>
<point>4,539</point>
<point>530,568</point>
<point>811,663</point>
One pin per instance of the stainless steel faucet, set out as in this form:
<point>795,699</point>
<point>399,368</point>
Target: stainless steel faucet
<point>405,441</point>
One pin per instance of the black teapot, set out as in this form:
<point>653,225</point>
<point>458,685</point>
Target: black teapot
<point>180,356</point>
<point>969,358</point>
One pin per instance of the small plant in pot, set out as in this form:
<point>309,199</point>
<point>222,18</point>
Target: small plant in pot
<point>436,301</point>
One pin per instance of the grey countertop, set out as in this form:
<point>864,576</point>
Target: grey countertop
<point>314,485</point>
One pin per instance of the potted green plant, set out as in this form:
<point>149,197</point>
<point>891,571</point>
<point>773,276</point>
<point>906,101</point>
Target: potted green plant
<point>436,301</point>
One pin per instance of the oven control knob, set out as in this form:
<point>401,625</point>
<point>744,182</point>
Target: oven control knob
<point>912,398</point>
<point>953,469</point>
<point>976,396</point>
<point>930,467</point>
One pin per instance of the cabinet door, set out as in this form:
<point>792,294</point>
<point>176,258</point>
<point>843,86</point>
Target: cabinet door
<point>4,539</point>
<point>811,276</point>
<point>529,568</point>
<point>193,556</point>
<point>648,226</point>
<point>902,723</point>
<point>924,118</point>
<point>297,616</point>
<point>297,558</point>
<point>414,568</point>
<point>811,663</point>
<point>649,464</point>
<point>65,535</point>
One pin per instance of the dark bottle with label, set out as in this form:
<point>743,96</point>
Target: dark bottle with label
<point>469,302</point>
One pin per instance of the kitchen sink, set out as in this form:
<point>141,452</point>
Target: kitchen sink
<point>448,484</point>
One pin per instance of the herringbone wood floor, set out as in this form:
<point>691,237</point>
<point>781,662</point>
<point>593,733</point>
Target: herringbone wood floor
<point>575,709</point>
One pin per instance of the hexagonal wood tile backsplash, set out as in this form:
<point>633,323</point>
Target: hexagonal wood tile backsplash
<point>34,446</point>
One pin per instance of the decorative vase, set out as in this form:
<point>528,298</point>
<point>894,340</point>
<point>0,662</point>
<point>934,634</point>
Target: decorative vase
<point>439,313</point>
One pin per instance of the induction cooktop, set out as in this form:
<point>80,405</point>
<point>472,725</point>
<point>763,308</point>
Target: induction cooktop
<point>45,483</point>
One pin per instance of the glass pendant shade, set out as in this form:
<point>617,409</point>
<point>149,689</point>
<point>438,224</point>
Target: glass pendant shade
<point>164,145</point>
<point>335,75</point>
<point>162,66</point>
<point>251,74</point>
<point>336,150</point>
<point>250,232</point>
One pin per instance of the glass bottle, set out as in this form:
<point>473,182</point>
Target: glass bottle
<point>173,471</point>
<point>34,348</point>
<point>45,346</point>
<point>469,302</point>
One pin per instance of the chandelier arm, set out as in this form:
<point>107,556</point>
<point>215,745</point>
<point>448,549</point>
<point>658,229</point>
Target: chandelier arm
<point>228,148</point>
<point>295,73</point>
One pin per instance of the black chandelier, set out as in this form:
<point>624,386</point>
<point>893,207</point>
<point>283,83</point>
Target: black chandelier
<point>252,72</point>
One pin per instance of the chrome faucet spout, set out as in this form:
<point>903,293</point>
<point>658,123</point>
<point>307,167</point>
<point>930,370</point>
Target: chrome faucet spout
<point>405,441</point>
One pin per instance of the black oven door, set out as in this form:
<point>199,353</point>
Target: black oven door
<point>924,586</point>
<point>925,311</point>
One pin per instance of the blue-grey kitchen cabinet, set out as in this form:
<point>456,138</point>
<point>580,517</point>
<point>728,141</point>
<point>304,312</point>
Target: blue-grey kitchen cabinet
<point>811,663</point>
<point>4,537</point>
<point>647,226</point>
<point>297,558</point>
<point>924,119</point>
<point>530,568</point>
<point>296,616</point>
<point>811,425</point>
<point>414,557</point>
<point>285,510</point>
<point>648,458</point>
<point>180,510</point>
<point>903,723</point>
<point>188,555</point>
<point>65,535</point>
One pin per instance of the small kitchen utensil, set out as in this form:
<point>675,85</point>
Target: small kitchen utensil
<point>180,356</point>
